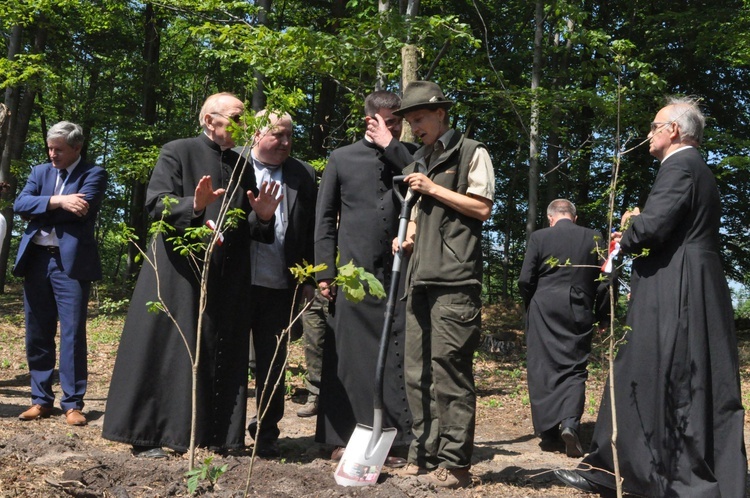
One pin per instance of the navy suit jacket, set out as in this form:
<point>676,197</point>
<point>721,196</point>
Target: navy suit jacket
<point>78,249</point>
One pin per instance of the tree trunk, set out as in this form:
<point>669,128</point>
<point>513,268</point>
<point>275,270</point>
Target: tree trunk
<point>383,6</point>
<point>323,111</point>
<point>412,8</point>
<point>19,102</point>
<point>409,62</point>
<point>534,139</point>
<point>11,106</point>
<point>259,92</point>
<point>138,220</point>
<point>326,104</point>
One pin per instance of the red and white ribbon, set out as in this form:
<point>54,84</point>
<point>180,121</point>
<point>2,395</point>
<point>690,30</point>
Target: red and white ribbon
<point>210,224</point>
<point>614,250</point>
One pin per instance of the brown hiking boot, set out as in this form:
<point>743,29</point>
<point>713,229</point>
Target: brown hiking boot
<point>448,478</point>
<point>310,408</point>
<point>410,470</point>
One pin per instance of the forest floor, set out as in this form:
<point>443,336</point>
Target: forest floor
<point>47,458</point>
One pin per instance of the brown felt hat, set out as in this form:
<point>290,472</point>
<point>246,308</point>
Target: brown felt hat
<point>422,95</point>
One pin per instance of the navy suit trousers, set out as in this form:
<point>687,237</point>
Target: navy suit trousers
<point>49,295</point>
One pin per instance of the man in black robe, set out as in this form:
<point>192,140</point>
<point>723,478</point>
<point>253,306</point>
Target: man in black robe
<point>149,402</point>
<point>357,213</point>
<point>676,378</point>
<point>560,300</point>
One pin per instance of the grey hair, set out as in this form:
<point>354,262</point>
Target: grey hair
<point>685,112</point>
<point>562,207</point>
<point>71,132</point>
<point>381,99</point>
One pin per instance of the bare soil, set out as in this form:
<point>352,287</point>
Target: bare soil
<point>47,458</point>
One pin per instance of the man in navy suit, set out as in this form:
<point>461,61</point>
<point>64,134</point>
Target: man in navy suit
<point>58,259</point>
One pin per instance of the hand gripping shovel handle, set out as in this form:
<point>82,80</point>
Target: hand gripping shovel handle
<point>407,202</point>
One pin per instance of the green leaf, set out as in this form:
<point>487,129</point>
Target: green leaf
<point>306,271</point>
<point>350,280</point>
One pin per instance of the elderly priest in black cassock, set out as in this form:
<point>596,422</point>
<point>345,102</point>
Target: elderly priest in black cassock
<point>149,402</point>
<point>676,378</point>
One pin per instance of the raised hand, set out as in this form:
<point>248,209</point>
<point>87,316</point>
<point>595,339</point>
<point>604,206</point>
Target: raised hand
<point>378,131</point>
<point>205,194</point>
<point>267,201</point>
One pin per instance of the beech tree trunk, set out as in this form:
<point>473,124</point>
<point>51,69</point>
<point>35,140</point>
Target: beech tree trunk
<point>534,139</point>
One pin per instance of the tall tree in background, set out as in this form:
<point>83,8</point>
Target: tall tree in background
<point>138,218</point>
<point>534,119</point>
<point>259,96</point>
<point>28,38</point>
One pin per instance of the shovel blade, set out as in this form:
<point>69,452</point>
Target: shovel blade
<point>356,467</point>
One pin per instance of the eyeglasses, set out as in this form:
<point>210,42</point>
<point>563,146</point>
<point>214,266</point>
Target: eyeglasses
<point>235,117</point>
<point>655,125</point>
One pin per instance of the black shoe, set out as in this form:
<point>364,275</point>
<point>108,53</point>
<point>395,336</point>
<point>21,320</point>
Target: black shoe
<point>575,480</point>
<point>551,445</point>
<point>267,449</point>
<point>572,443</point>
<point>148,452</point>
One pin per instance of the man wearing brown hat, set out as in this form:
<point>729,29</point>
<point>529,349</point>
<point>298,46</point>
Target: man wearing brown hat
<point>455,178</point>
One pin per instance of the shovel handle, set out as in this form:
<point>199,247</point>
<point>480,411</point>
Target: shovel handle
<point>406,201</point>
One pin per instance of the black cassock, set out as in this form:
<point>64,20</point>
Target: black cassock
<point>677,390</point>
<point>562,302</point>
<point>357,213</point>
<point>149,400</point>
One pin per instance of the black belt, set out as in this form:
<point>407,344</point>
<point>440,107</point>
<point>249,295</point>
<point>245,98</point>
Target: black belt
<point>49,249</point>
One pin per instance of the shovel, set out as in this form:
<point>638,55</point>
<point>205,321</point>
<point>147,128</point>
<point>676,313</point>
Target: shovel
<point>368,447</point>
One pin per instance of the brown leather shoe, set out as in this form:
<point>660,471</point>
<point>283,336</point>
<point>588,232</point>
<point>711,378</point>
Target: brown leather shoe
<point>75,417</point>
<point>35,412</point>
